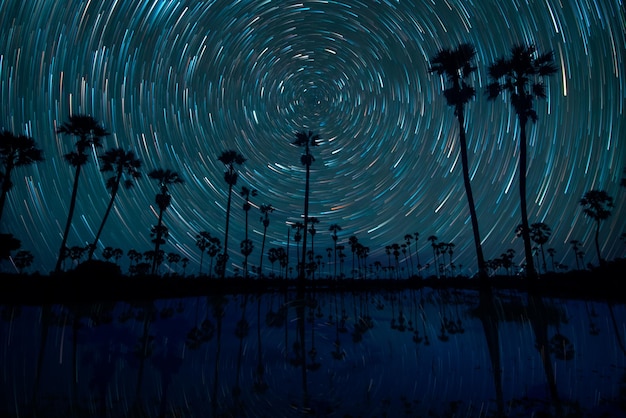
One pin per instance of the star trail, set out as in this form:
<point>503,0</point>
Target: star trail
<point>178,82</point>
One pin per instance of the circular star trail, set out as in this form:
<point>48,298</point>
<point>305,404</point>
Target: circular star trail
<point>178,82</point>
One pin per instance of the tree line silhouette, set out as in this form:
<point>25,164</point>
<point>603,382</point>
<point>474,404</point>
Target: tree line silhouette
<point>518,76</point>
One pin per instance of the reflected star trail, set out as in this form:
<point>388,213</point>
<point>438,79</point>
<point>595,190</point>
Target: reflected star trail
<point>178,82</point>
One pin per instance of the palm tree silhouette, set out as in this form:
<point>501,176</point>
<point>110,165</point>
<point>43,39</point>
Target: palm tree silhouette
<point>416,235</point>
<point>433,243</point>
<point>597,205</point>
<point>265,219</point>
<point>246,244</point>
<point>313,220</point>
<point>119,162</point>
<point>522,75</point>
<point>203,240</point>
<point>89,134</point>
<point>15,151</point>
<point>164,178</point>
<point>306,140</point>
<point>297,237</point>
<point>229,158</point>
<point>334,228</point>
<point>540,233</point>
<point>456,65</point>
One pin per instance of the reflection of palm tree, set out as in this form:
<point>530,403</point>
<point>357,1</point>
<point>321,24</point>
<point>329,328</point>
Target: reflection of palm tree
<point>144,348</point>
<point>457,65</point>
<point>489,318</point>
<point>241,331</point>
<point>164,178</point>
<point>15,151</point>
<point>218,303</point>
<point>522,74</point>
<point>539,322</point>
<point>119,162</point>
<point>260,385</point>
<point>47,317</point>
<point>89,134</point>
<point>306,140</point>
<point>597,205</point>
<point>229,158</point>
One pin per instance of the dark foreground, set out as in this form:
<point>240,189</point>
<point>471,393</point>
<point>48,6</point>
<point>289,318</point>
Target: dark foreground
<point>97,284</point>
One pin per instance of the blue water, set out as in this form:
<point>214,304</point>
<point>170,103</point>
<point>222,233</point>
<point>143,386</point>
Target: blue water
<point>401,354</point>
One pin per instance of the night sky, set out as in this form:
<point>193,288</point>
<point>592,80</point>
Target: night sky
<point>178,82</point>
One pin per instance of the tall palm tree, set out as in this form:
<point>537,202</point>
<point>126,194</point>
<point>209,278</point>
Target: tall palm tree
<point>119,162</point>
<point>306,140</point>
<point>265,219</point>
<point>597,205</point>
<point>456,65</point>
<point>15,151</point>
<point>334,228</point>
<point>164,178</point>
<point>521,76</point>
<point>229,158</point>
<point>89,133</point>
<point>246,244</point>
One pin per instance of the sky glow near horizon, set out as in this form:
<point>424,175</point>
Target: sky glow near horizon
<point>178,82</point>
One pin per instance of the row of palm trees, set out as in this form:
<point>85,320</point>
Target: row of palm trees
<point>520,76</point>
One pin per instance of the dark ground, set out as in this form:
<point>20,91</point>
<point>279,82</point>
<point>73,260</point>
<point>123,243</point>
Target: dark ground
<point>103,282</point>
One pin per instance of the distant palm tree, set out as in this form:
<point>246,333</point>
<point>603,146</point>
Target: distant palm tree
<point>456,65</point>
<point>334,228</point>
<point>229,158</point>
<point>597,205</point>
<point>215,247</point>
<point>203,240</point>
<point>354,241</point>
<point>540,234</point>
<point>575,247</point>
<point>15,151</point>
<point>246,244</point>
<point>265,219</point>
<point>433,243</point>
<point>120,162</point>
<point>297,237</point>
<point>164,178</point>
<point>306,140</point>
<point>89,134</point>
<point>552,252</point>
<point>416,235</point>
<point>521,76</point>
<point>23,259</point>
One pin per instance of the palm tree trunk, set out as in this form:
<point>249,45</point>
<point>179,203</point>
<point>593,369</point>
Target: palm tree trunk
<point>482,273</point>
<point>306,222</point>
<point>104,219</point>
<point>157,245</point>
<point>600,261</point>
<point>528,251</point>
<point>6,186</point>
<point>68,223</point>
<point>223,266</point>
<point>262,251</point>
